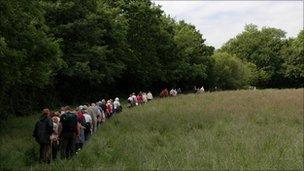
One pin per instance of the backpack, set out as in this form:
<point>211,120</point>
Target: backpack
<point>69,122</point>
<point>87,127</point>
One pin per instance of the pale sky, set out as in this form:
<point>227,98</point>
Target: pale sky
<point>219,21</point>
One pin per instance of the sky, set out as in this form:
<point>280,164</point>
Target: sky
<point>219,21</point>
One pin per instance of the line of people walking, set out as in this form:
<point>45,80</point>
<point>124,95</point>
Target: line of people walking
<point>64,132</point>
<point>173,92</point>
<point>141,98</point>
<point>67,130</point>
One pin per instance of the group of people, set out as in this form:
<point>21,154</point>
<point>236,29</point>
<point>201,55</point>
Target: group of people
<point>173,92</point>
<point>67,130</point>
<point>139,99</point>
<point>199,90</point>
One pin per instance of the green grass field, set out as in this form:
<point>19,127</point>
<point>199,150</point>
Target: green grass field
<point>253,130</point>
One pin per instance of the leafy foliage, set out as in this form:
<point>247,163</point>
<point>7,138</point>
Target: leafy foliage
<point>293,54</point>
<point>56,52</point>
<point>265,49</point>
<point>229,71</point>
<point>27,52</point>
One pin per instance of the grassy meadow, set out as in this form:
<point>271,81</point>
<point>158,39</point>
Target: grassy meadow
<point>234,130</point>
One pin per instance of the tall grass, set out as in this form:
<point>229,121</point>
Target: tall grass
<point>253,130</point>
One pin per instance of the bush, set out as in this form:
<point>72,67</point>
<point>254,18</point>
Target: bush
<point>230,72</point>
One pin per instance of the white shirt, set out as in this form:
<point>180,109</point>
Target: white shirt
<point>87,117</point>
<point>144,97</point>
<point>116,104</point>
<point>55,127</point>
<point>149,96</point>
<point>172,92</point>
<point>134,98</point>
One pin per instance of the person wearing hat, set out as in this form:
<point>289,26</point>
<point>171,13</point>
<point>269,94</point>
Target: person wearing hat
<point>42,132</point>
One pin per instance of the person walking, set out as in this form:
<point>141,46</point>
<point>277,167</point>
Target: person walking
<point>92,112</point>
<point>81,127</point>
<point>144,97</point>
<point>102,118</point>
<point>42,132</point>
<point>117,106</point>
<point>149,96</point>
<point>135,103</point>
<point>68,133</point>
<point>179,91</point>
<point>130,101</point>
<point>164,93</point>
<point>109,109</point>
<point>88,124</point>
<point>54,136</point>
<point>103,105</point>
<point>139,98</point>
<point>80,137</point>
<point>173,92</point>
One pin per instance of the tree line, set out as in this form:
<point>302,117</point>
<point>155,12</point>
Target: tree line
<point>56,52</point>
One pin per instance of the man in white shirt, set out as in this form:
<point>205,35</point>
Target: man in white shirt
<point>117,106</point>
<point>173,92</point>
<point>144,97</point>
<point>134,100</point>
<point>130,101</point>
<point>88,125</point>
<point>149,96</point>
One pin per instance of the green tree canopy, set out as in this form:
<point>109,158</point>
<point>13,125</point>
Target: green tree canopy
<point>28,53</point>
<point>229,71</point>
<point>261,47</point>
<point>293,53</point>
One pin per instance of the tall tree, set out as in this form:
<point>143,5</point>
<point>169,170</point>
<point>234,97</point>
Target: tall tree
<point>91,37</point>
<point>194,57</point>
<point>261,47</point>
<point>230,72</point>
<point>27,53</point>
<point>293,53</point>
<point>143,66</point>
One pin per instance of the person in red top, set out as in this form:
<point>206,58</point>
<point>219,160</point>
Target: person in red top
<point>80,116</point>
<point>109,108</point>
<point>139,98</point>
<point>164,93</point>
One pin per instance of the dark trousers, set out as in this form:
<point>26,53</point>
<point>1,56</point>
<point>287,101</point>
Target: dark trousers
<point>45,152</point>
<point>67,145</point>
<point>87,135</point>
<point>79,145</point>
<point>55,148</point>
<point>98,123</point>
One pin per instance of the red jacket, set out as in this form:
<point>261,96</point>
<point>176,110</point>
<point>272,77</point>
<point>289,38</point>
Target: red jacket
<point>139,98</point>
<point>109,108</point>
